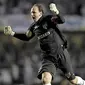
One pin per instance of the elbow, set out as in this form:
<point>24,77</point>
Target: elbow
<point>63,21</point>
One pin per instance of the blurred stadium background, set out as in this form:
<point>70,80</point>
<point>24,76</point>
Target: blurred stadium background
<point>19,61</point>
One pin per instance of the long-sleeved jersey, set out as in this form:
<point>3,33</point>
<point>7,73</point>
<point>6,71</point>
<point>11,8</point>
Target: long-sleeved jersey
<point>48,34</point>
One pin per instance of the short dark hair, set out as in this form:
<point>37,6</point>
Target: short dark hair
<point>40,7</point>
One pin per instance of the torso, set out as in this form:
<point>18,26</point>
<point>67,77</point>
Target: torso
<point>48,43</point>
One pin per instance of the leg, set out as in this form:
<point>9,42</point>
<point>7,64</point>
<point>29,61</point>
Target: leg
<point>75,79</point>
<point>66,67</point>
<point>47,72</point>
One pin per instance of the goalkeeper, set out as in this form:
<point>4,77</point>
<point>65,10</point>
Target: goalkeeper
<point>52,43</point>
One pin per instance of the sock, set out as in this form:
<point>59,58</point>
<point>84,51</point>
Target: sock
<point>48,84</point>
<point>80,81</point>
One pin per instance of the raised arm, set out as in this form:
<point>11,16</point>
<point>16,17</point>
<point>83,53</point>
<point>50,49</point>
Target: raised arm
<point>57,18</point>
<point>22,36</point>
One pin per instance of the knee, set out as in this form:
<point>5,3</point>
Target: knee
<point>46,77</point>
<point>71,77</point>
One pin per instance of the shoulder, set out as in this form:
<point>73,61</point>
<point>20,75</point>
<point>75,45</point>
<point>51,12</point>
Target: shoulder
<point>47,17</point>
<point>31,26</point>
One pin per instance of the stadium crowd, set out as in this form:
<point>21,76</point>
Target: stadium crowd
<point>23,6</point>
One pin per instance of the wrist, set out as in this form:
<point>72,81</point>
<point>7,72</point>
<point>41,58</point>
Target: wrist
<point>12,33</point>
<point>57,12</point>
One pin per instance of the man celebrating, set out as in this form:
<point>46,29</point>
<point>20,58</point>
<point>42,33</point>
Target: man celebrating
<point>54,52</point>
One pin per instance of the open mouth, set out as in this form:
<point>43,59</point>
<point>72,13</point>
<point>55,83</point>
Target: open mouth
<point>33,17</point>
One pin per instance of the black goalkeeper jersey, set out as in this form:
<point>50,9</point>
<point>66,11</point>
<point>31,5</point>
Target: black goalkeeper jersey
<point>48,34</point>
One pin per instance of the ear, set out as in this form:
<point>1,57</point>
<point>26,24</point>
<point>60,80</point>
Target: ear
<point>41,13</point>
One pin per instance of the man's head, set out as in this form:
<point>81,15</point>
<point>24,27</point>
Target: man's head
<point>36,11</point>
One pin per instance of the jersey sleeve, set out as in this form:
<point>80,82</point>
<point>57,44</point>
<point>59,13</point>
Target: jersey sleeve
<point>23,36</point>
<point>56,19</point>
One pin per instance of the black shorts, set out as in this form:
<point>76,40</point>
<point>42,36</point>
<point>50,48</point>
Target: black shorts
<point>61,61</point>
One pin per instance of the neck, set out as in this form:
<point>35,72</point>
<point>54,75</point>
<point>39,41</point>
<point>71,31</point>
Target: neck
<point>38,18</point>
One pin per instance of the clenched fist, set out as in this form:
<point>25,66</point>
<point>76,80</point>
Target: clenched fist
<point>8,31</point>
<point>53,8</point>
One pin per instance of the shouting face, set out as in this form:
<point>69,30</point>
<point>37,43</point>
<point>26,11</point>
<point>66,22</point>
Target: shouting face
<point>36,13</point>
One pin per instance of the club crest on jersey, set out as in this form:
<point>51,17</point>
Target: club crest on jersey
<point>36,27</point>
<point>45,26</point>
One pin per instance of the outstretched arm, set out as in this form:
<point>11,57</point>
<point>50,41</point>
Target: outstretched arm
<point>57,18</point>
<point>22,36</point>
